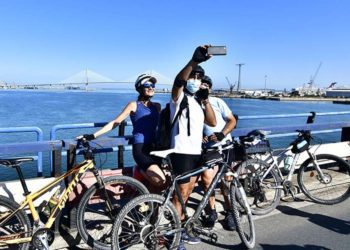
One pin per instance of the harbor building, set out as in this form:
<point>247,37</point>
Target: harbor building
<point>341,93</point>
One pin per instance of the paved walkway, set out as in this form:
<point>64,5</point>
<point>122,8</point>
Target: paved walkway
<point>71,240</point>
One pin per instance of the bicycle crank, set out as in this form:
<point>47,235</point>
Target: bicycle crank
<point>42,239</point>
<point>194,228</point>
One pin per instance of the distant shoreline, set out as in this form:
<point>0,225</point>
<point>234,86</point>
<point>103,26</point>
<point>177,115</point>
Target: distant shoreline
<point>221,95</point>
<point>296,99</point>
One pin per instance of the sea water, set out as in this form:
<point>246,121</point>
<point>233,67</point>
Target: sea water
<point>45,109</point>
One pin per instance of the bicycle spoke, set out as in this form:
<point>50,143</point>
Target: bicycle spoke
<point>331,185</point>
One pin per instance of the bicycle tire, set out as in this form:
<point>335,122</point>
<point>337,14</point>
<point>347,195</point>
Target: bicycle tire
<point>18,224</point>
<point>243,217</point>
<point>263,195</point>
<point>94,222</point>
<point>335,169</point>
<point>134,226</point>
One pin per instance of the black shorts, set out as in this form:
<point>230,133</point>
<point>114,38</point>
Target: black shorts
<point>182,163</point>
<point>142,157</point>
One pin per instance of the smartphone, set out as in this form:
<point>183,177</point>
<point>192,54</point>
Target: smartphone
<point>217,50</point>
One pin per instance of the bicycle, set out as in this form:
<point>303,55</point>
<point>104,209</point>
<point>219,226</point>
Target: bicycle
<point>151,221</point>
<point>323,178</point>
<point>103,199</point>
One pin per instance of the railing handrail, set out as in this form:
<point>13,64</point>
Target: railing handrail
<point>118,143</point>
<point>249,117</point>
<point>39,137</point>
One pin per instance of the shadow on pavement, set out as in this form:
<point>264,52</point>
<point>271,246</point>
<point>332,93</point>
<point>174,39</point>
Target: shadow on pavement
<point>294,247</point>
<point>219,245</point>
<point>334,224</point>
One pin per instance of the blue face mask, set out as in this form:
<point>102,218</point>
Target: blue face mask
<point>193,85</point>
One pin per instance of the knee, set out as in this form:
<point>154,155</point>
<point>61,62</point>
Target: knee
<point>159,183</point>
<point>207,178</point>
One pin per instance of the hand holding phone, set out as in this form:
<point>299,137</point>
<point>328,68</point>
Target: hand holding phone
<point>217,50</point>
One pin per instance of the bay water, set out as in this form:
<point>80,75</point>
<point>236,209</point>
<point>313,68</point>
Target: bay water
<point>45,109</point>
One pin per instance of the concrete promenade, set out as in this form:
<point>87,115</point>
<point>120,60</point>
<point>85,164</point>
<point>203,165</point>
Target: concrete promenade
<point>226,239</point>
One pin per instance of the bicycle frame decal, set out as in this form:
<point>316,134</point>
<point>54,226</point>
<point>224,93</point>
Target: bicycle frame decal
<point>74,182</point>
<point>79,169</point>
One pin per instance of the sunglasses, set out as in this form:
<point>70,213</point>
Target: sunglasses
<point>196,75</point>
<point>148,85</point>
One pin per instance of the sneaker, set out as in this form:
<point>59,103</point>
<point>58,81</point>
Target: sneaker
<point>190,240</point>
<point>229,223</point>
<point>211,218</point>
<point>181,246</point>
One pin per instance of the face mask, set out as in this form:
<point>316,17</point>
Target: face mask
<point>193,85</point>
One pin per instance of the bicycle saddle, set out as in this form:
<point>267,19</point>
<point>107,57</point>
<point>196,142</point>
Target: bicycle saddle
<point>11,162</point>
<point>162,153</point>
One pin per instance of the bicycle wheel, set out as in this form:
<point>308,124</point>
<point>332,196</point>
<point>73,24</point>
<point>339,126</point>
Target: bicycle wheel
<point>334,188</point>
<point>242,216</point>
<point>147,223</point>
<point>15,227</point>
<point>263,193</point>
<point>94,220</point>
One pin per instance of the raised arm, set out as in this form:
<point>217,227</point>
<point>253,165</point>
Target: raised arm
<point>130,107</point>
<point>199,55</point>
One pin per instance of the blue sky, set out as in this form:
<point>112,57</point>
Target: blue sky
<point>48,41</point>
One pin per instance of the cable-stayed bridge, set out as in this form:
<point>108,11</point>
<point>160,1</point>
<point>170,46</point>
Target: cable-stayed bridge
<point>86,77</point>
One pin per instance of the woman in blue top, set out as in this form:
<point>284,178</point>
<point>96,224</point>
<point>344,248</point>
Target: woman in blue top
<point>144,116</point>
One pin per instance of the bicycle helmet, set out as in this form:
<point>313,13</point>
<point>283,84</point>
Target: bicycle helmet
<point>142,79</point>
<point>207,80</point>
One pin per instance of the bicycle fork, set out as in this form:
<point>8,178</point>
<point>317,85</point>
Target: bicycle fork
<point>101,186</point>
<point>324,178</point>
<point>240,192</point>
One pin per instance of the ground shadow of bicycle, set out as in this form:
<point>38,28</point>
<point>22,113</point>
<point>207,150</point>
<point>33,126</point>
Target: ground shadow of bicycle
<point>294,247</point>
<point>330,223</point>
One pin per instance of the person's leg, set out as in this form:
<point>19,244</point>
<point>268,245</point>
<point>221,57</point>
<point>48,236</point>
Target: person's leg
<point>211,214</point>
<point>155,177</point>
<point>182,163</point>
<point>185,191</point>
<point>228,222</point>
<point>149,169</point>
<point>207,178</point>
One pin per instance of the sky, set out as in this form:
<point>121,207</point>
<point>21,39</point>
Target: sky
<point>280,41</point>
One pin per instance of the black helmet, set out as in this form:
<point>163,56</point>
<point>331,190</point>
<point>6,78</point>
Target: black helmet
<point>207,80</point>
<point>198,69</point>
<point>143,79</point>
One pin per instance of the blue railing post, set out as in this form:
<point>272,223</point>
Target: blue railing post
<point>345,134</point>
<point>54,129</point>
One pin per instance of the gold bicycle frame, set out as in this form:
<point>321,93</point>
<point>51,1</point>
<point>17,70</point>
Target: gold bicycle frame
<point>78,170</point>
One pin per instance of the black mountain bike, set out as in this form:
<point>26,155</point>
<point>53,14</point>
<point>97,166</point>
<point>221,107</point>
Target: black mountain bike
<point>151,221</point>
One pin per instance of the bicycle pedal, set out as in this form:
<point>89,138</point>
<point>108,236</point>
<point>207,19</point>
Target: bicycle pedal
<point>213,237</point>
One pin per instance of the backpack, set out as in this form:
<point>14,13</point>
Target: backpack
<point>164,127</point>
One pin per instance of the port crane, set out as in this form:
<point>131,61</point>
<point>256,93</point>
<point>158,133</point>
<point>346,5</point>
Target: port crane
<point>232,86</point>
<point>312,79</point>
<point>332,85</point>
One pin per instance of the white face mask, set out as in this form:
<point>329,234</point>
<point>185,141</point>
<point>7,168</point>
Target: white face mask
<point>193,85</point>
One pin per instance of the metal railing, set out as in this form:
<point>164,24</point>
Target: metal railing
<point>23,147</point>
<point>120,143</point>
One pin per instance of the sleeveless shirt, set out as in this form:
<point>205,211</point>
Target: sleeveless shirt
<point>144,121</point>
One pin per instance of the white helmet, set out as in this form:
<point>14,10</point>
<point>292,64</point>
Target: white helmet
<point>143,79</point>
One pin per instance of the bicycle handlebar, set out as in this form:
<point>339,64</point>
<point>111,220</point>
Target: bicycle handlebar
<point>87,149</point>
